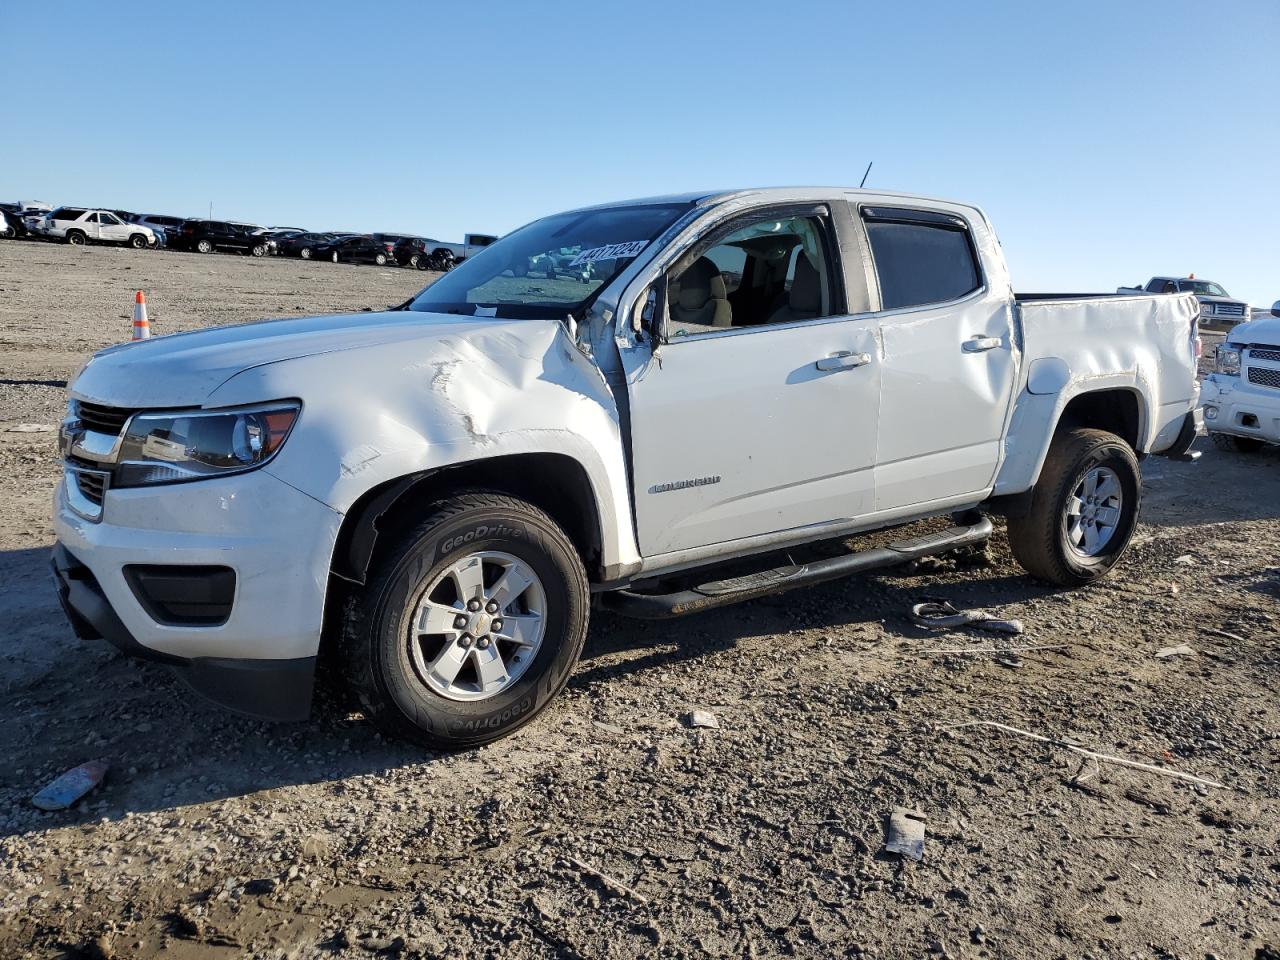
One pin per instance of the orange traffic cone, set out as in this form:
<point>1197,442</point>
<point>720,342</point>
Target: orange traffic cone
<point>141,325</point>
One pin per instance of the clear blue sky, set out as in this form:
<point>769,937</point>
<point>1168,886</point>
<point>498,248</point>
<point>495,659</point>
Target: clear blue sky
<point>1107,140</point>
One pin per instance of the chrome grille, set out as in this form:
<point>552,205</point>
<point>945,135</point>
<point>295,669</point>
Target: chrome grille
<point>1264,377</point>
<point>92,485</point>
<point>1227,309</point>
<point>1264,353</point>
<point>94,416</point>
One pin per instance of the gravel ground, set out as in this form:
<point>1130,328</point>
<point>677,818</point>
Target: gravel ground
<point>609,826</point>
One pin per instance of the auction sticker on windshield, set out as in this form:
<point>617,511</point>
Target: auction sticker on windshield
<point>612,251</point>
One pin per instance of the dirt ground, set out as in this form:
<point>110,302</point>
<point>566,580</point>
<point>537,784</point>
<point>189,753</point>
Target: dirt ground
<point>611,828</point>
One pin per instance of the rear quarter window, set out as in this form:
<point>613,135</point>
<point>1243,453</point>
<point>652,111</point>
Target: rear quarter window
<point>920,262</point>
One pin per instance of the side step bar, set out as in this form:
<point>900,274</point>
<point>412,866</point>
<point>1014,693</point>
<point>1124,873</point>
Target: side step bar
<point>721,593</point>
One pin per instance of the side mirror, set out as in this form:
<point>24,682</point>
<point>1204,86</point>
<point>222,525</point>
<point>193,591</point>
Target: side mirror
<point>1275,309</point>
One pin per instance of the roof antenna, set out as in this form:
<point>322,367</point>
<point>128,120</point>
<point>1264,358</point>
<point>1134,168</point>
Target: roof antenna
<point>864,176</point>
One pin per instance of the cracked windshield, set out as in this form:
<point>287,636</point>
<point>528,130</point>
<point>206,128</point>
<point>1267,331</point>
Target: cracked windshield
<point>552,267</point>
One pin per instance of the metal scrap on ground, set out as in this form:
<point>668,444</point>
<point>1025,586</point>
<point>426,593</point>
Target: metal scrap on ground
<point>943,616</point>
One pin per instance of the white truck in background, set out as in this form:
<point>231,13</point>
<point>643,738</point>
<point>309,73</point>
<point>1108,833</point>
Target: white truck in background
<point>437,495</point>
<point>1241,398</point>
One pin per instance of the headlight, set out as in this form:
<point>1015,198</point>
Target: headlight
<point>1228,360</point>
<point>170,447</point>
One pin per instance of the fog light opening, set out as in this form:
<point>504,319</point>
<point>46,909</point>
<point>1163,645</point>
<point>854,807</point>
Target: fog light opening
<point>1210,413</point>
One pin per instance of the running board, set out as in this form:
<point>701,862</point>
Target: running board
<point>721,593</point>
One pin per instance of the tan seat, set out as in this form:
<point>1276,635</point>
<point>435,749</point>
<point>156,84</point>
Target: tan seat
<point>805,299</point>
<point>699,296</point>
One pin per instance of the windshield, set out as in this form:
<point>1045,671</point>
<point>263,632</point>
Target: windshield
<point>1206,287</point>
<point>552,267</point>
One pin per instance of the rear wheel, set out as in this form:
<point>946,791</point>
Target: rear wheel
<point>259,250</point>
<point>205,246</point>
<point>470,625</point>
<point>334,256</point>
<point>138,241</point>
<point>380,259</point>
<point>1084,509</point>
<point>305,253</point>
<point>75,238</point>
<point>1233,444</point>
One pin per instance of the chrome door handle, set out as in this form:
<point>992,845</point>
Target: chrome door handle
<point>979,344</point>
<point>844,360</point>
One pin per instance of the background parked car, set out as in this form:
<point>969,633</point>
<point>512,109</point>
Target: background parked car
<point>303,244</point>
<point>11,225</point>
<point>358,249</point>
<point>389,242</point>
<point>1217,307</point>
<point>78,225</point>
<point>162,225</point>
<point>208,236</point>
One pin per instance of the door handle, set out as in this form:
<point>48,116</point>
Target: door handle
<point>844,360</point>
<point>980,344</point>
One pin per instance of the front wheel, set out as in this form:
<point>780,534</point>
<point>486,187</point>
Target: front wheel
<point>380,259</point>
<point>1233,444</point>
<point>1084,509</point>
<point>470,625</point>
<point>138,241</point>
<point>258,250</point>
<point>334,257</point>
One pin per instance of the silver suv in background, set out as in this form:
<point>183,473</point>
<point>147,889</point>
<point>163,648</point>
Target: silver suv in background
<point>78,225</point>
<point>1216,305</point>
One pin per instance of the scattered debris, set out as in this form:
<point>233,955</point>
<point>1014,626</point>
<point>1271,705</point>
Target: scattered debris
<point>1182,650</point>
<point>65,790</point>
<point>1004,650</point>
<point>617,886</point>
<point>904,833</point>
<point>1059,742</point>
<point>705,719</point>
<point>1186,560</point>
<point>608,727</point>
<point>31,428</point>
<point>1222,633</point>
<point>943,616</point>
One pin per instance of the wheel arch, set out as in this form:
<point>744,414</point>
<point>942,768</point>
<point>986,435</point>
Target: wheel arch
<point>1119,407</point>
<point>553,482</point>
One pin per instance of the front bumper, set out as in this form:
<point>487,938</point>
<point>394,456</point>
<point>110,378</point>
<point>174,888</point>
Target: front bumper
<point>277,540</point>
<point>1233,406</point>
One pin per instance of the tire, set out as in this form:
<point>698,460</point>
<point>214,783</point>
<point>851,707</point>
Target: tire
<point>393,669</point>
<point>425,263</point>
<point>1051,545</point>
<point>445,261</point>
<point>380,259</point>
<point>1233,444</point>
<point>413,260</point>
<point>75,238</point>
<point>259,250</point>
<point>334,256</point>
<point>138,241</point>
<point>305,253</point>
<point>204,246</point>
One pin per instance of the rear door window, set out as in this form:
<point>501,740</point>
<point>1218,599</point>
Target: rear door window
<point>921,257</point>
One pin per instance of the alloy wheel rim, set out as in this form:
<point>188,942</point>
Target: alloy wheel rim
<point>478,626</point>
<point>1094,510</point>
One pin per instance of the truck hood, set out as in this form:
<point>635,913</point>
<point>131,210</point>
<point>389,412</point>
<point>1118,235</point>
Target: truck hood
<point>1205,298</point>
<point>183,369</point>
<point>1264,331</point>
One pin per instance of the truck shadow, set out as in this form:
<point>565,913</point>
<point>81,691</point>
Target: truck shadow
<point>71,701</point>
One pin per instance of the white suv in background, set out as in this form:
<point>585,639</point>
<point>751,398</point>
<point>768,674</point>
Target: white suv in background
<point>79,225</point>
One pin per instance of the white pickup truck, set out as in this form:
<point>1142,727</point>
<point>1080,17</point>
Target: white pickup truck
<point>435,495</point>
<point>1241,398</point>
